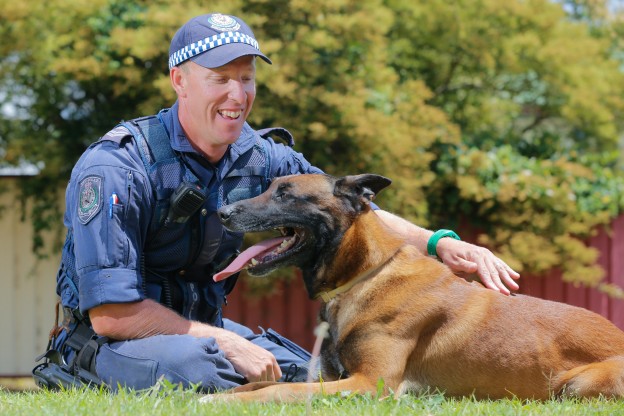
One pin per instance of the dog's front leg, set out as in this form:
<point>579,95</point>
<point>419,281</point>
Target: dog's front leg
<point>252,386</point>
<point>297,392</point>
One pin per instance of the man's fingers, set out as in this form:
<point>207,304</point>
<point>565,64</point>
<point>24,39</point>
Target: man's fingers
<point>485,274</point>
<point>495,275</point>
<point>467,258</point>
<point>506,276</point>
<point>463,265</point>
<point>254,362</point>
<point>272,372</point>
<point>277,372</point>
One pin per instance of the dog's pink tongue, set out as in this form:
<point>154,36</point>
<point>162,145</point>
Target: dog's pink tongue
<point>246,256</point>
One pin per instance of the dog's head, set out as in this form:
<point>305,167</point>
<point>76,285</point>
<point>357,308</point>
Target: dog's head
<point>310,212</point>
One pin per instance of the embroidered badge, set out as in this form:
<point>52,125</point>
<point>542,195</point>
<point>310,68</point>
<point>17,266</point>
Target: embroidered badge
<point>90,198</point>
<point>223,23</point>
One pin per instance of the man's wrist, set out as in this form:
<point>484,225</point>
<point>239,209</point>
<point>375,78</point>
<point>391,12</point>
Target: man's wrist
<point>432,243</point>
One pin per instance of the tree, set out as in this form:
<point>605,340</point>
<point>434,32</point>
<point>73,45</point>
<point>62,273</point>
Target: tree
<point>538,98</point>
<point>503,113</point>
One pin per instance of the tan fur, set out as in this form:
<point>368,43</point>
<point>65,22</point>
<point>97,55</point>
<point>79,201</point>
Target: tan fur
<point>417,326</point>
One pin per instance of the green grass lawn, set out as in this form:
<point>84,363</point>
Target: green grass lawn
<point>168,401</point>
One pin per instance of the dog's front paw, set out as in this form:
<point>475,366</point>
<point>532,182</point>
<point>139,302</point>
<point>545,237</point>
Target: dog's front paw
<point>208,398</point>
<point>218,398</point>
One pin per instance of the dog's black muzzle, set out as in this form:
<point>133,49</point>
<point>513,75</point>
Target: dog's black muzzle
<point>226,212</point>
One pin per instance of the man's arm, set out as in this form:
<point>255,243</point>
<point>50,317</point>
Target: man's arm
<point>461,257</point>
<point>148,318</point>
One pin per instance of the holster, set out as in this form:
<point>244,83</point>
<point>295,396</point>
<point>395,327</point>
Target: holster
<point>54,373</point>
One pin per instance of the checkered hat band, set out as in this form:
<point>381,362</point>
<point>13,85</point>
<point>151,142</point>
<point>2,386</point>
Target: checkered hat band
<point>207,44</point>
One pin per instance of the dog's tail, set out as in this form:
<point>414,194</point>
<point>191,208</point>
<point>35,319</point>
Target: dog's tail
<point>604,378</point>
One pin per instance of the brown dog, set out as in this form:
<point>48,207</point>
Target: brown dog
<point>398,315</point>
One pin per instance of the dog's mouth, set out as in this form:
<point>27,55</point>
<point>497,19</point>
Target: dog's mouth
<point>265,256</point>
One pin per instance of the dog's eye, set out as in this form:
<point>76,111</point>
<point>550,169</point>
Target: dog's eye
<point>281,192</point>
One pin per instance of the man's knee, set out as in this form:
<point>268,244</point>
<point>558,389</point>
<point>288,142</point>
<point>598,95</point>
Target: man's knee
<point>180,359</point>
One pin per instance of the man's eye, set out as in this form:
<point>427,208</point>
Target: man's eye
<point>219,80</point>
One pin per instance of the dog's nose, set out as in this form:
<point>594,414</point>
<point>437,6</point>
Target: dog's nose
<point>225,213</point>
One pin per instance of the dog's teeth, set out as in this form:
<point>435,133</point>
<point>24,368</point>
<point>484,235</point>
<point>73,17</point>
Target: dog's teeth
<point>254,262</point>
<point>286,244</point>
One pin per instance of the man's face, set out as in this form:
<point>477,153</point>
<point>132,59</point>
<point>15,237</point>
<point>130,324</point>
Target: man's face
<point>214,103</point>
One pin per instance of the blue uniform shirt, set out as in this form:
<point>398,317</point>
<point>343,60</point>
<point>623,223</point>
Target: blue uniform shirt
<point>110,204</point>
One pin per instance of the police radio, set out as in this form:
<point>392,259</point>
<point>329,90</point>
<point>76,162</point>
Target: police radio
<point>184,202</point>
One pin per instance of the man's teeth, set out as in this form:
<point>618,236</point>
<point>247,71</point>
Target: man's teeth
<point>230,114</point>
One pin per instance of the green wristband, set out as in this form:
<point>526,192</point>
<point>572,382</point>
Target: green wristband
<point>433,240</point>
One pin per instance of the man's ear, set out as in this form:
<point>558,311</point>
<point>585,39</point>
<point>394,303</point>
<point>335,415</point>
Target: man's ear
<point>177,76</point>
<point>361,189</point>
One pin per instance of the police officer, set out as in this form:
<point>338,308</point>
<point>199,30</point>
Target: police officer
<point>143,241</point>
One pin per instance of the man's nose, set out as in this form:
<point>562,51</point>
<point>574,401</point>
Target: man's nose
<point>237,91</point>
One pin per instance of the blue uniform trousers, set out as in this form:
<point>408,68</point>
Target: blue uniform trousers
<point>140,363</point>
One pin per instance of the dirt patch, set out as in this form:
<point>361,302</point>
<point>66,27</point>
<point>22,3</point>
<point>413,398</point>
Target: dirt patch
<point>17,383</point>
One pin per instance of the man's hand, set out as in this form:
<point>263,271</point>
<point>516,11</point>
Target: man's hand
<point>465,258</point>
<point>249,360</point>
<point>462,258</point>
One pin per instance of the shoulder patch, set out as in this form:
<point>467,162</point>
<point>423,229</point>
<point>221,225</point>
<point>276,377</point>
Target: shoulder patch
<point>89,198</point>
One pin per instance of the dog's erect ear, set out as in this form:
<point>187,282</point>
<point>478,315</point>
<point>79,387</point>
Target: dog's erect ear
<point>363,187</point>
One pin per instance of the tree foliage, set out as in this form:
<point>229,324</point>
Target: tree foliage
<point>538,99</point>
<point>504,115</point>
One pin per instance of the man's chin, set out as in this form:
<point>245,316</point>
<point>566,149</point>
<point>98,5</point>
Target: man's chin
<point>233,132</point>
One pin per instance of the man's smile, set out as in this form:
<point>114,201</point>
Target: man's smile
<point>230,114</point>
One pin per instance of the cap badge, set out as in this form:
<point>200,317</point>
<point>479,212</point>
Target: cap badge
<point>223,22</point>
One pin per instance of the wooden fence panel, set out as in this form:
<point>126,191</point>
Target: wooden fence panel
<point>576,295</point>
<point>616,271</point>
<point>597,301</point>
<point>554,288</point>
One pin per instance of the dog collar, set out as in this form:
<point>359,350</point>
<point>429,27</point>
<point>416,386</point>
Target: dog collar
<point>327,296</point>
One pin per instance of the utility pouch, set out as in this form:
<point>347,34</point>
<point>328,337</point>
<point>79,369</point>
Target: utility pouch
<point>278,339</point>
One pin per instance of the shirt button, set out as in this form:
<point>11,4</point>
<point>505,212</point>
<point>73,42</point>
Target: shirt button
<point>204,212</point>
<point>182,272</point>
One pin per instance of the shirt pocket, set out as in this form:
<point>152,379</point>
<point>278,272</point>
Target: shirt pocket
<point>116,241</point>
